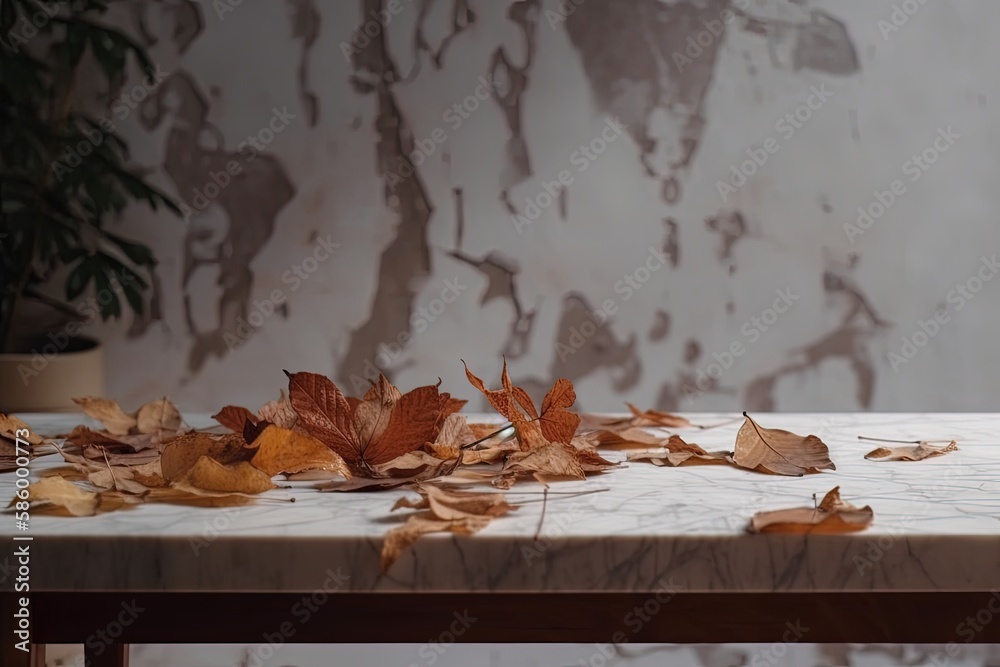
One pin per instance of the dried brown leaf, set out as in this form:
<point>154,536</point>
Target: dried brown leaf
<point>59,492</point>
<point>159,416</point>
<point>184,451</point>
<point>917,452</point>
<point>109,413</point>
<point>832,516</point>
<point>780,452</point>
<point>283,450</point>
<point>210,475</point>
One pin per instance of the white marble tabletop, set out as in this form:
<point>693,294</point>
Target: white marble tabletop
<point>936,527</point>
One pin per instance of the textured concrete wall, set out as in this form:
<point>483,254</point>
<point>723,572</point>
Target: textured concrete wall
<point>656,199</point>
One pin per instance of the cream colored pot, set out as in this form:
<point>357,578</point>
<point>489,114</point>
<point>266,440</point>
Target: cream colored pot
<point>50,374</point>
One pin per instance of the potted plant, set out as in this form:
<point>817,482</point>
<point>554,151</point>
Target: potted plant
<point>64,176</point>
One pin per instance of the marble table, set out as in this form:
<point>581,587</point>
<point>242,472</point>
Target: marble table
<point>651,555</point>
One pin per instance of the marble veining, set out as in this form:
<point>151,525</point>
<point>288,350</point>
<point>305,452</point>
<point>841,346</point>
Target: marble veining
<point>937,527</point>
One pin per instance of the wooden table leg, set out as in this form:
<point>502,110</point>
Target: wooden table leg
<point>112,655</point>
<point>37,655</point>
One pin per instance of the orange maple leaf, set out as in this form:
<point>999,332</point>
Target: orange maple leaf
<point>556,422</point>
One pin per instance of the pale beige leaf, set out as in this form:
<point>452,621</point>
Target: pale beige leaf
<point>240,477</point>
<point>780,452</point>
<point>553,459</point>
<point>677,452</point>
<point>158,416</point>
<point>399,539</point>
<point>833,515</point>
<point>621,439</point>
<point>279,412</point>
<point>109,413</point>
<point>283,450</point>
<point>917,452</point>
<point>9,427</point>
<point>63,494</point>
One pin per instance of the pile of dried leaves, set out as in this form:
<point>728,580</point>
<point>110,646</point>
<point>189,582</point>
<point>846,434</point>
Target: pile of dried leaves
<point>388,439</point>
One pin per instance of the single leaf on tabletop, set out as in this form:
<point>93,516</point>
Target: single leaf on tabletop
<point>118,478</point>
<point>621,439</point>
<point>210,475</point>
<point>380,427</point>
<point>833,515</point>
<point>677,452</point>
<point>779,452</point>
<point>457,512</point>
<point>915,452</point>
<point>283,450</point>
<point>60,493</point>
<point>185,450</point>
<point>109,413</point>
<point>160,416</point>
<point>11,425</point>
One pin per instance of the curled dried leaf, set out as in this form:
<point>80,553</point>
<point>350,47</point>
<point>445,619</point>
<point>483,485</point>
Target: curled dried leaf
<point>917,452</point>
<point>833,515</point>
<point>109,413</point>
<point>210,475</point>
<point>283,450</point>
